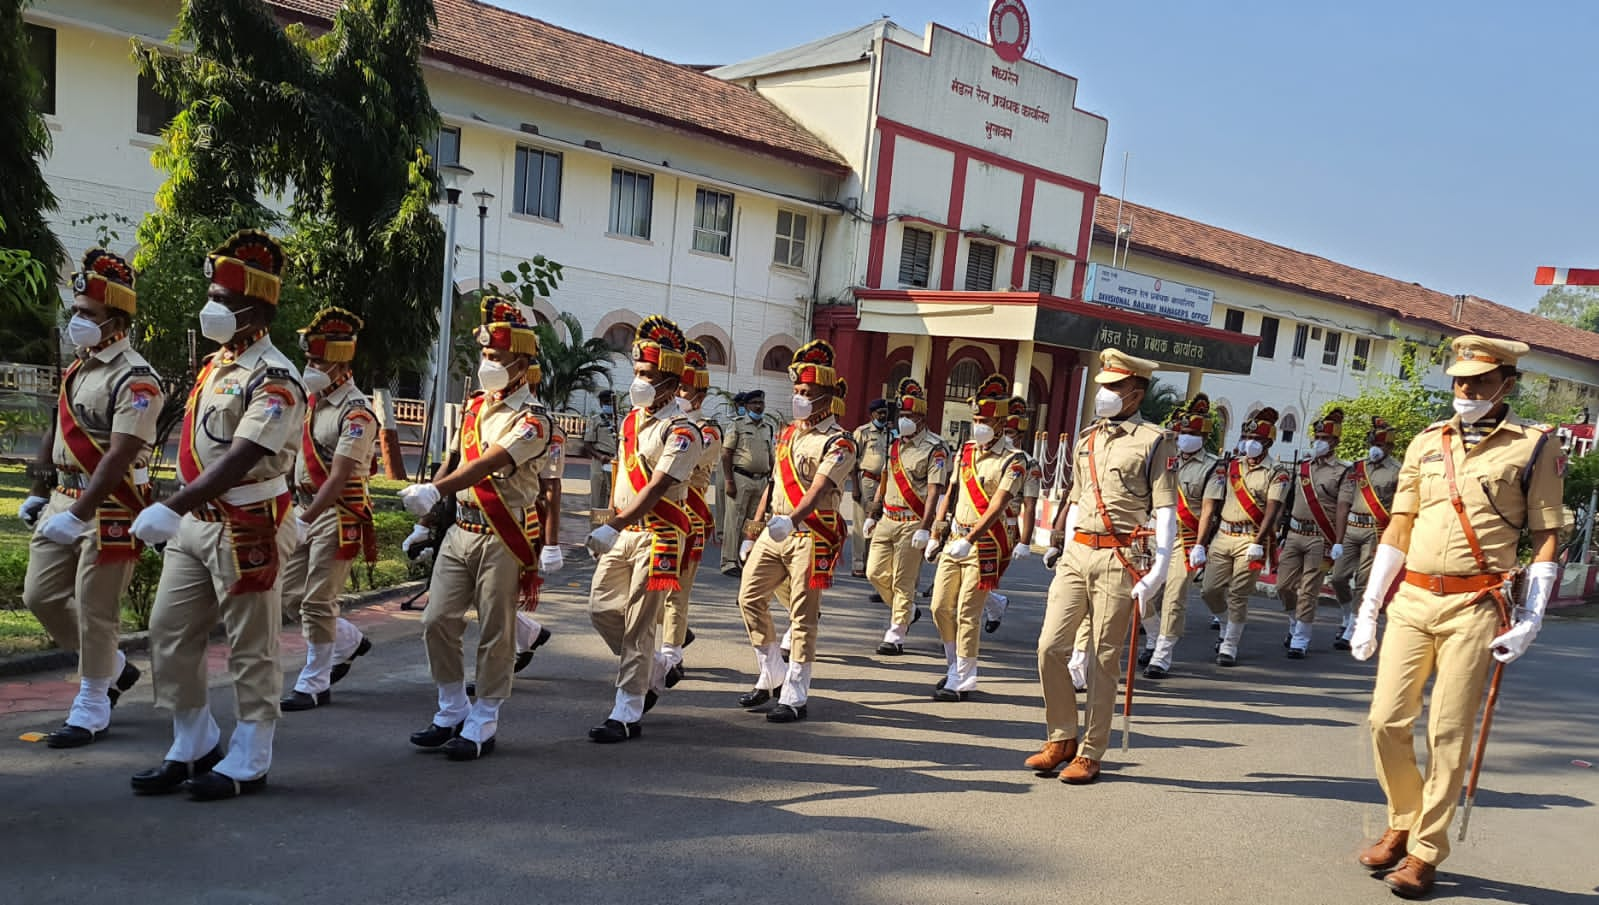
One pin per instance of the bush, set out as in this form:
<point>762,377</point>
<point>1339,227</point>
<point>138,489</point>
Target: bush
<point>13,569</point>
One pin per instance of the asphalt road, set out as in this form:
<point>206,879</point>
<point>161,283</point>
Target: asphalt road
<point>1252,784</point>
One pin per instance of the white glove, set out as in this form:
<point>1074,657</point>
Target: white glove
<point>551,559</point>
<point>30,509</point>
<point>920,538</point>
<point>1143,592</point>
<point>780,527</point>
<point>601,540</point>
<point>960,549</point>
<point>1022,551</point>
<point>606,468</point>
<point>1541,580</point>
<point>1336,551</point>
<point>1514,643</point>
<point>744,549</point>
<point>419,533</point>
<point>1363,640</point>
<point>1386,565</point>
<point>1255,551</point>
<point>157,524</point>
<point>867,526</point>
<point>418,499</point>
<point>302,531</point>
<point>933,547</point>
<point>1051,557</point>
<point>63,528</point>
<point>1197,556</point>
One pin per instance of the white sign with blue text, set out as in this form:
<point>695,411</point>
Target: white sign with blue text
<point>1147,294</point>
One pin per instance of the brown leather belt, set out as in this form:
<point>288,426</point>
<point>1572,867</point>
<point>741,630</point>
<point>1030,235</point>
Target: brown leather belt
<point>900,514</point>
<point>1303,526</point>
<point>1101,541</point>
<point>874,475</point>
<point>1237,528</point>
<point>472,520</point>
<point>1455,584</point>
<point>1362,521</point>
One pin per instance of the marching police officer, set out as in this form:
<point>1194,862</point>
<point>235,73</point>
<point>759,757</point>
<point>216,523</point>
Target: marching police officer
<point>1311,533</point>
<point>1364,501</point>
<point>871,442</point>
<point>746,468</point>
<point>916,475</point>
<point>227,532</point>
<point>675,633</point>
<point>599,445</point>
<point>81,557</point>
<point>1469,487</point>
<point>1193,469</point>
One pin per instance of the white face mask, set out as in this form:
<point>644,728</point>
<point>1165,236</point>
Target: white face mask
<point>82,332</point>
<point>1376,453</point>
<point>493,376</point>
<point>641,393</point>
<point>801,407</point>
<point>1320,448</point>
<point>907,427</point>
<point>982,433</point>
<point>1107,403</point>
<point>217,322</point>
<point>1474,409</point>
<point>687,405</point>
<point>316,380</point>
<point>1190,443</point>
<point>1254,449</point>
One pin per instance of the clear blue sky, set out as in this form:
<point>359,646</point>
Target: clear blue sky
<point>1449,143</point>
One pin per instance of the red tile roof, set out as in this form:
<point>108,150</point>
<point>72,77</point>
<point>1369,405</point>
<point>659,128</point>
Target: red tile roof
<point>1202,245</point>
<point>551,59</point>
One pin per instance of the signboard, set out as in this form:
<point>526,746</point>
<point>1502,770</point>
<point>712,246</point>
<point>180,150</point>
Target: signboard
<point>1147,294</point>
<point>1085,331</point>
<point>1009,29</point>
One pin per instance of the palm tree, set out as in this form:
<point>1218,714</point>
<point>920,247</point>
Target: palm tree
<point>1159,401</point>
<point>572,365</point>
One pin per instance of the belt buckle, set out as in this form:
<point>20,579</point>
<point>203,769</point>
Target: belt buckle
<point>1435,584</point>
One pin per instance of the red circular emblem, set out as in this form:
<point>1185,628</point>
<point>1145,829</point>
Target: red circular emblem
<point>256,557</point>
<point>1009,29</point>
<point>114,530</point>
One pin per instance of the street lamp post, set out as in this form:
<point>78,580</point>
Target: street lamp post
<point>483,196</point>
<point>452,175</point>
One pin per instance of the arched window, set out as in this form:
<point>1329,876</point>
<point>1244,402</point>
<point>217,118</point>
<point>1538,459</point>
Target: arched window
<point>620,336</point>
<point>963,379</point>
<point>777,359</point>
<point>898,372</point>
<point>714,353</point>
<point>1287,427</point>
<point>540,318</point>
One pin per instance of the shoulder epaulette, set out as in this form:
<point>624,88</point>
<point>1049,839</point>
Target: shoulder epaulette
<point>280,374</point>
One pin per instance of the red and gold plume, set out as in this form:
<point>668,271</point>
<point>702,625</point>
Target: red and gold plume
<point>107,279</point>
<point>1382,433</point>
<point>330,335</point>
<point>813,363</point>
<point>660,342</point>
<point>506,328</point>
<point>1016,419</point>
<point>1192,417</point>
<point>1262,425</point>
<point>840,390</point>
<point>696,370</point>
<point>992,398</point>
<point>912,398</point>
<point>1330,425</point>
<point>249,263</point>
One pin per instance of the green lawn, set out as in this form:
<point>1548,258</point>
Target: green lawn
<point>19,631</point>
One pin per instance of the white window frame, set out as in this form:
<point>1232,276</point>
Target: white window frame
<point>710,224</point>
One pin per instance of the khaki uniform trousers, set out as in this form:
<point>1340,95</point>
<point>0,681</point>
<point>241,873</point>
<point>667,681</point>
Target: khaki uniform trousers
<point>473,570</point>
<point>783,569</point>
<point>859,544</point>
<point>314,577</point>
<point>1090,587</point>
<point>736,512</point>
<point>894,566</point>
<point>1228,578</point>
<point>599,491</point>
<point>1446,635</point>
<point>674,614</point>
<point>75,598</point>
<point>1350,572</point>
<point>958,602</point>
<point>1299,574</point>
<point>1174,595</point>
<point>624,612</point>
<point>196,574</point>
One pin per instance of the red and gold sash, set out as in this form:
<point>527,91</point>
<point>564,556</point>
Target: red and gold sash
<point>1187,525</point>
<point>994,545</point>
<point>670,524</point>
<point>699,509</point>
<point>1369,494</point>
<point>252,528</point>
<point>520,536</point>
<point>824,524</point>
<point>115,513</point>
<point>1246,500</point>
<point>354,504</point>
<point>907,490</point>
<point>1313,503</point>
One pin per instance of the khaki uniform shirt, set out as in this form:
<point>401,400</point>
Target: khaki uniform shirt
<point>871,449</point>
<point>342,424</point>
<point>114,391</point>
<point>711,437</point>
<point>999,468</point>
<point>600,435</point>
<point>1264,481</point>
<point>818,449</point>
<point>1326,477</point>
<point>522,428</point>
<point>1133,460</point>
<point>1384,478</point>
<point>751,444</point>
<point>667,441</point>
<point>1193,473</point>
<point>1490,480</point>
<point>258,397</point>
<point>925,459</point>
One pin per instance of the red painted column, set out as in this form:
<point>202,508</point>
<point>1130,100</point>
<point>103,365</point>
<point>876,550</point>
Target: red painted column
<point>880,190</point>
<point>957,201</point>
<point>937,377</point>
<point>1063,363</point>
<point>1074,391</point>
<point>1024,231</point>
<point>1007,358</point>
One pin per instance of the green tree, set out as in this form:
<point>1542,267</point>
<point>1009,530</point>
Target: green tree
<point>1405,402</point>
<point>1159,402</point>
<point>571,365</point>
<point>29,306</point>
<point>1572,305</point>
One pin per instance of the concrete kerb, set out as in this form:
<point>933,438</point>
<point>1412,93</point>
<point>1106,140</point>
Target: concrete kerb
<point>134,642</point>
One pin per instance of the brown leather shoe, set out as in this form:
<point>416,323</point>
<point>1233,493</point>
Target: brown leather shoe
<point>1081,771</point>
<point>1052,756</point>
<point>1413,879</point>
<point>1387,851</point>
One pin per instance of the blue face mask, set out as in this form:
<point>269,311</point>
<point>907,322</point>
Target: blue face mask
<point>607,410</point>
<point>742,411</point>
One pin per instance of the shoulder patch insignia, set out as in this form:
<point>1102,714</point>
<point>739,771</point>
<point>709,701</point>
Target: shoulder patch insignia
<point>141,370</point>
<point>1171,463</point>
<point>682,439</point>
<point>530,427</point>
<point>279,374</point>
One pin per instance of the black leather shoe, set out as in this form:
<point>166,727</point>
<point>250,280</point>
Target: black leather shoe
<point>130,674</point>
<point>674,675</point>
<point>1288,641</point>
<point>784,652</point>
<point>70,736</point>
<point>876,597</point>
<point>1145,655</point>
<point>299,700</point>
<point>688,637</point>
<point>612,731</point>
<point>941,683</point>
<point>1226,660</point>
<point>991,626</point>
<point>890,649</point>
<point>523,658</point>
<point>1295,653</point>
<point>1340,644</point>
<point>172,774</point>
<point>434,736</point>
<point>459,748</point>
<point>916,615</point>
<point>786,713</point>
<point>732,571</point>
<point>650,700</point>
<point>471,689</point>
<point>216,787</point>
<point>1215,624</point>
<point>754,698</point>
<point>1154,672</point>
<point>945,694</point>
<point>926,593</point>
<point>340,670</point>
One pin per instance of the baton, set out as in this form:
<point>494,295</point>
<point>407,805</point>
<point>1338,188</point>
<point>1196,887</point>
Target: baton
<point>1482,744</point>
<point>1132,669</point>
